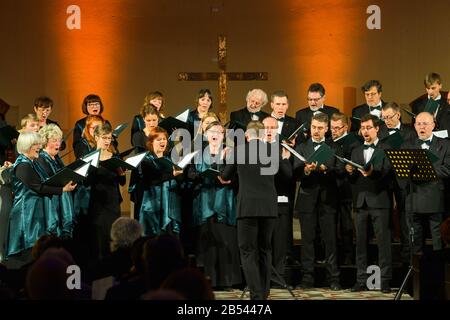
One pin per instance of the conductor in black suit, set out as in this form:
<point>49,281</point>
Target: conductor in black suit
<point>256,208</point>
<point>317,200</point>
<point>316,98</point>
<point>372,90</point>
<point>256,100</point>
<point>428,199</point>
<point>371,201</point>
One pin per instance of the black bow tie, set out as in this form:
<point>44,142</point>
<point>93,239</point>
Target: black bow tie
<point>427,142</point>
<point>281,119</point>
<point>394,129</point>
<point>315,144</point>
<point>367,146</point>
<point>375,108</point>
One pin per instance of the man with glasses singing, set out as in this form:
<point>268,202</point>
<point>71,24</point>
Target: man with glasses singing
<point>316,99</point>
<point>372,90</point>
<point>346,142</point>
<point>390,114</point>
<point>371,201</point>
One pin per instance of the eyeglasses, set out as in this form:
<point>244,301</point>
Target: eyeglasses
<point>314,99</point>
<point>215,132</point>
<point>337,128</point>
<point>388,117</point>
<point>420,124</point>
<point>367,128</point>
<point>106,138</point>
<point>93,104</point>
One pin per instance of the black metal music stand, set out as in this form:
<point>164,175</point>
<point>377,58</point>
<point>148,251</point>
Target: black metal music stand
<point>414,165</point>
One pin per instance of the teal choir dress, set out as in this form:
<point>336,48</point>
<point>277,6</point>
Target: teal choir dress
<point>62,222</point>
<point>214,224</point>
<point>29,219</point>
<point>161,203</point>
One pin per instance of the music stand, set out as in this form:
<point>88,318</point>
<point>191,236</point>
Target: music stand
<point>280,281</point>
<point>414,165</point>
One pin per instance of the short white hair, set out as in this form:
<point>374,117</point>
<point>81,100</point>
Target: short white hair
<point>259,94</point>
<point>124,232</point>
<point>50,131</point>
<point>26,140</point>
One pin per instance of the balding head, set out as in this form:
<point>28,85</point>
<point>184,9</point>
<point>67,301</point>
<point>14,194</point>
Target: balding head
<point>424,125</point>
<point>270,128</point>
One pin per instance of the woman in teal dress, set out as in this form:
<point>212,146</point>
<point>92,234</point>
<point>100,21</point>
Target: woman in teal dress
<point>60,222</point>
<point>160,209</point>
<point>27,221</point>
<point>214,213</point>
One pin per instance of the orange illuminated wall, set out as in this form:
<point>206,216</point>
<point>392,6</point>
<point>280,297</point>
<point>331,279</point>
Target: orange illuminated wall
<point>88,57</point>
<point>324,33</point>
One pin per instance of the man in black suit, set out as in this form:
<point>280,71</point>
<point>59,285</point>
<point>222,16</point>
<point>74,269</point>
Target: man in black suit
<point>345,141</point>
<point>371,200</point>
<point>390,114</point>
<point>285,186</point>
<point>279,104</point>
<point>256,100</point>
<point>427,201</point>
<point>316,98</point>
<point>317,200</point>
<point>256,208</point>
<point>440,109</point>
<point>372,90</point>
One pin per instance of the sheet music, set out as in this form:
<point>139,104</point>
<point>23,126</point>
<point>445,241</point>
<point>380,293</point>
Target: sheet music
<point>187,159</point>
<point>183,116</point>
<point>93,158</point>
<point>295,153</point>
<point>136,160</point>
<point>441,134</point>
<point>83,170</point>
<point>354,164</point>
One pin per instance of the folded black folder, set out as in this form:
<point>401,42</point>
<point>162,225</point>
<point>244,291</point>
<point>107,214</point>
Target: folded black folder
<point>7,133</point>
<point>167,165</point>
<point>321,155</point>
<point>300,129</point>
<point>119,129</point>
<point>171,123</point>
<point>93,158</point>
<point>129,164</point>
<point>394,140</point>
<point>65,175</point>
<point>210,173</point>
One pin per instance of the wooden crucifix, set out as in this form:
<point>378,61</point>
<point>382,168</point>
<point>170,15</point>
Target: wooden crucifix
<point>222,77</point>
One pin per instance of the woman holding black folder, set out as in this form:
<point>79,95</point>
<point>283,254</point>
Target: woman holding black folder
<point>59,207</point>
<point>27,219</point>
<point>214,213</point>
<point>204,104</point>
<point>161,202</point>
<point>139,140</point>
<point>105,198</point>
<point>154,100</point>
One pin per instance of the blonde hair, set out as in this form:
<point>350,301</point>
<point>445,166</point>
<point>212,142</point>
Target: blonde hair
<point>27,118</point>
<point>50,131</point>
